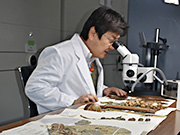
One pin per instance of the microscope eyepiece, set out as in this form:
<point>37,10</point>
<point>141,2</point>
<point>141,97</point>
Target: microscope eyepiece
<point>115,45</point>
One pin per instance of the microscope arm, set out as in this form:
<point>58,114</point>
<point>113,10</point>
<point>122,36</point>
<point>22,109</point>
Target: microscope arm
<point>153,69</point>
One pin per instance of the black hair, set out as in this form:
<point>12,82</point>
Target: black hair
<point>104,19</point>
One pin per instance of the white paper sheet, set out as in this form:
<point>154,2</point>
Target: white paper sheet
<point>136,127</point>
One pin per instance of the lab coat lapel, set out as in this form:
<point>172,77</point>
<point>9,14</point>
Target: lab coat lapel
<point>86,75</point>
<point>100,82</point>
<point>82,66</point>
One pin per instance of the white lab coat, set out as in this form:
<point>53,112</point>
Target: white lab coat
<point>61,76</point>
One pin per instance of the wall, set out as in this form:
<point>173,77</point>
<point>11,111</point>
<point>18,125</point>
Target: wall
<point>17,19</point>
<point>145,16</point>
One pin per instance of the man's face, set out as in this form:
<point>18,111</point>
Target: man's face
<point>101,47</point>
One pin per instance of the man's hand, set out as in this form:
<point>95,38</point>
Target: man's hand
<point>117,91</point>
<point>86,99</point>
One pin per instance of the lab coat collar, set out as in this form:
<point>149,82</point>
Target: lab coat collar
<point>84,48</point>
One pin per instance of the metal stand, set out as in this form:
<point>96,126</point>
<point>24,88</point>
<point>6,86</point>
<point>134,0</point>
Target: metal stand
<point>153,50</point>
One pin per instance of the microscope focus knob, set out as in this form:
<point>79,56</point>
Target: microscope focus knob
<point>130,73</point>
<point>143,79</point>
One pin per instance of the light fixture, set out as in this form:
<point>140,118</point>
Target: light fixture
<point>176,2</point>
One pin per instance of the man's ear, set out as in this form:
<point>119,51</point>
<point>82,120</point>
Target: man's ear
<point>92,32</point>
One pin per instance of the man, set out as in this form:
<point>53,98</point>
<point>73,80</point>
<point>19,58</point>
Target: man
<point>63,73</point>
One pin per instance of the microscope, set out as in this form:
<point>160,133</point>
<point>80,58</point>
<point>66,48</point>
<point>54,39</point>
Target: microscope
<point>132,73</point>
